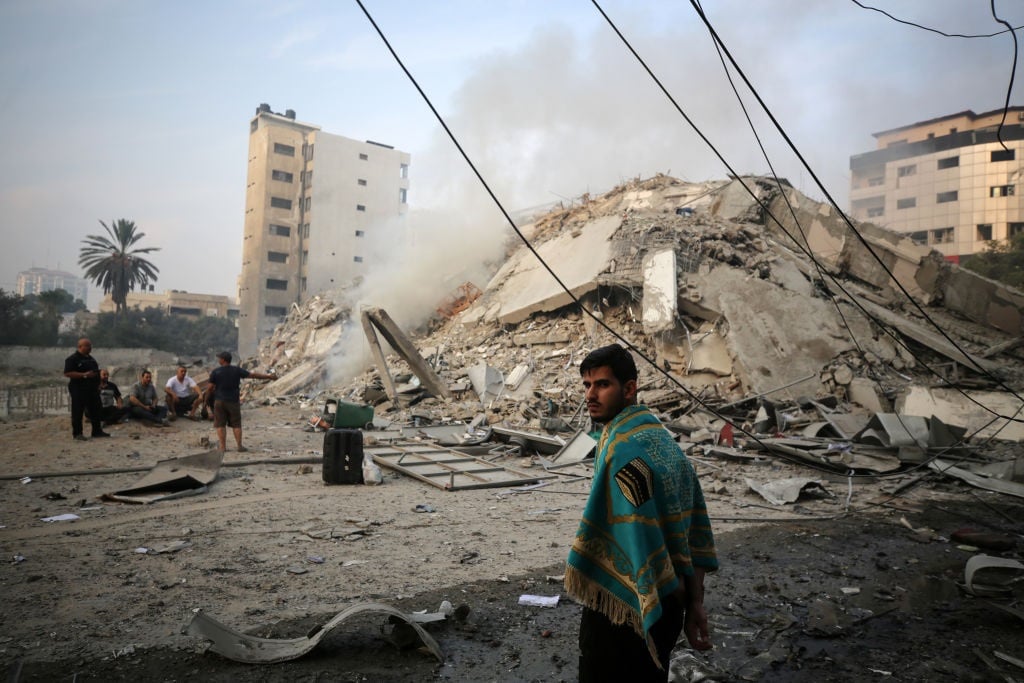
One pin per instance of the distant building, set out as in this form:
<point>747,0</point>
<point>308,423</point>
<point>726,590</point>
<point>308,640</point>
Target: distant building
<point>947,182</point>
<point>177,302</point>
<point>307,232</point>
<point>39,280</point>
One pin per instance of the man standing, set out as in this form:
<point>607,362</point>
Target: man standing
<point>182,394</point>
<point>143,402</point>
<point>83,373</point>
<point>225,386</point>
<point>638,561</point>
<point>112,406</point>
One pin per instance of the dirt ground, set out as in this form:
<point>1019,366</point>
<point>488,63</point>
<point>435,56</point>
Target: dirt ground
<point>859,585</point>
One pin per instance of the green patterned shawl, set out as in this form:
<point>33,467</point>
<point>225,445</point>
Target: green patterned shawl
<point>645,524</point>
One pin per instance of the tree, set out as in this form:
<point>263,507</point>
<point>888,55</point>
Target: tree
<point>112,264</point>
<point>1002,261</point>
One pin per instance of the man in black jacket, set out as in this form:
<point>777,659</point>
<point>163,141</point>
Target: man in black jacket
<point>83,373</point>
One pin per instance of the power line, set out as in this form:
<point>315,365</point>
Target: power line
<point>935,30</point>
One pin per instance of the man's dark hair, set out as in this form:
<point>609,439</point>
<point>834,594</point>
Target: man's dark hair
<point>226,355</point>
<point>612,356</point>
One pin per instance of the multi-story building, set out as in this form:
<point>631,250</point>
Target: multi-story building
<point>313,201</point>
<point>177,302</point>
<point>954,183</point>
<point>39,280</point>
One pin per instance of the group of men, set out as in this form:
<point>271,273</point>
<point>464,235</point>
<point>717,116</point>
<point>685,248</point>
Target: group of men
<point>93,395</point>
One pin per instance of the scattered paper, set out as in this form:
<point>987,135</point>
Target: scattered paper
<point>62,518</point>
<point>539,600</point>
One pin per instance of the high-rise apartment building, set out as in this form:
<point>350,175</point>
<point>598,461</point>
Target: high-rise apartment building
<point>39,280</point>
<point>313,201</point>
<point>954,183</point>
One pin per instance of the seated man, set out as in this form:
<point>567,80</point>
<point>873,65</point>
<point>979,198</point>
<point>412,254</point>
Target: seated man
<point>113,408</point>
<point>182,394</point>
<point>143,401</point>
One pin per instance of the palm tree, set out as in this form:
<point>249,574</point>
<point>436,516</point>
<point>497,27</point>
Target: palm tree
<point>112,264</point>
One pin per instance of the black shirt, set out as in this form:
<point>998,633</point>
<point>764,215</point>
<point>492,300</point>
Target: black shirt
<point>109,395</point>
<point>76,362</point>
<point>226,381</point>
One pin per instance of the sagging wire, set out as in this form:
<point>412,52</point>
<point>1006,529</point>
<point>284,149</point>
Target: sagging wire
<point>768,211</point>
<point>806,251</point>
<point>830,199</point>
<point>1013,71</point>
<point>525,241</point>
<point>696,398</point>
<point>928,28</point>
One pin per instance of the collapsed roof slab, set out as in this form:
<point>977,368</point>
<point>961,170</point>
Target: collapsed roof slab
<point>962,409</point>
<point>775,335</point>
<point>523,286</point>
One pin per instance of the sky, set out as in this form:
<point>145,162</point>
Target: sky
<point>140,109</point>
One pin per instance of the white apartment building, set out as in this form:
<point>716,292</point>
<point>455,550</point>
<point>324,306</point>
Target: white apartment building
<point>951,182</point>
<point>39,280</point>
<point>313,201</point>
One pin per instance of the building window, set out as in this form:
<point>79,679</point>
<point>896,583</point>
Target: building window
<point>403,195</point>
<point>403,171</point>
<point>283,176</point>
<point>280,203</point>
<point>1014,229</point>
<point>904,171</point>
<point>305,231</point>
<point>984,233</point>
<point>948,162</point>
<point>359,233</point>
<point>277,257</point>
<point>360,207</point>
<point>1003,155</point>
<point>309,177</point>
<point>305,257</point>
<point>303,284</point>
<point>307,152</point>
<point>362,181</point>
<point>286,150</point>
<point>357,259</point>
<point>943,197</point>
<point>281,285</point>
<point>942,236</point>
<point>363,157</point>
<point>280,230</point>
<point>309,203</point>
<point>876,181</point>
<point>1000,191</point>
<point>919,237</point>
<point>275,311</point>
<point>908,203</point>
<point>876,211</point>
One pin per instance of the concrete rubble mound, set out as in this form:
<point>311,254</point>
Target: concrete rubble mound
<point>718,292</point>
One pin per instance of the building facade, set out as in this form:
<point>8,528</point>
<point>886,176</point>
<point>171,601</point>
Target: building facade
<point>39,280</point>
<point>177,302</point>
<point>313,200</point>
<point>953,183</point>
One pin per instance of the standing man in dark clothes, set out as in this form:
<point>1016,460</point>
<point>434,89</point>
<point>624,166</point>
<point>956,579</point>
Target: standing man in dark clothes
<point>83,373</point>
<point>643,546</point>
<point>225,384</point>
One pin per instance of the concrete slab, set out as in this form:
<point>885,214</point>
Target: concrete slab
<point>523,286</point>
<point>660,292</point>
<point>954,408</point>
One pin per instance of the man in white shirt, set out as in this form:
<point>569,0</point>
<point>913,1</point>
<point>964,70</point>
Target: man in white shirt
<point>182,395</point>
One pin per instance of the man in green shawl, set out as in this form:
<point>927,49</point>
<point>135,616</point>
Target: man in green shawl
<point>638,561</point>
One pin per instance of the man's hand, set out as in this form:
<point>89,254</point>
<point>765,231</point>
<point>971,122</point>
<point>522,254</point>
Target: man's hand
<point>695,626</point>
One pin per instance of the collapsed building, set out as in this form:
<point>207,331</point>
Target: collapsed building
<point>738,304</point>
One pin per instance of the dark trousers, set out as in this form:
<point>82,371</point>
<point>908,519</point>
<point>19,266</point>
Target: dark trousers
<point>610,652</point>
<point>112,414</point>
<point>82,399</point>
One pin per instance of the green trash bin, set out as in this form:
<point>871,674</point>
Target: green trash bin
<point>348,415</point>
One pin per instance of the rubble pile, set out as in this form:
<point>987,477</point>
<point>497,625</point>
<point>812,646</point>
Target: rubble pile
<point>731,314</point>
